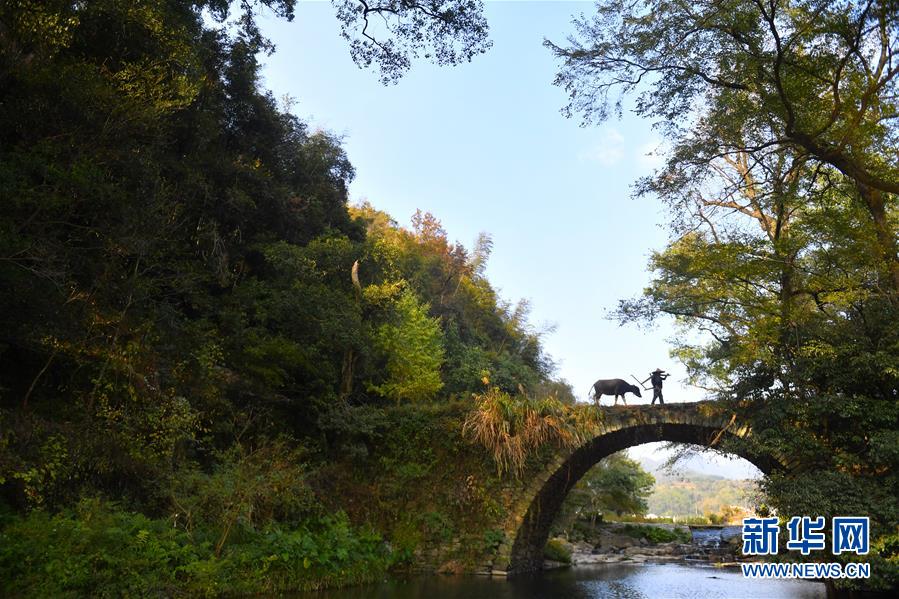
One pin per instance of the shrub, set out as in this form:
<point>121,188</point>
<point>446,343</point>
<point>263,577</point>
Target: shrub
<point>95,549</point>
<point>557,550</point>
<point>102,551</point>
<point>250,488</point>
<point>657,534</point>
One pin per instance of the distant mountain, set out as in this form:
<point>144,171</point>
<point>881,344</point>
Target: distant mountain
<point>700,463</point>
<point>701,495</point>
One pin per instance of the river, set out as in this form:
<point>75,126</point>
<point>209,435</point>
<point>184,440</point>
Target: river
<point>615,581</point>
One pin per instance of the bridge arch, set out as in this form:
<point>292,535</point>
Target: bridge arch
<point>700,423</point>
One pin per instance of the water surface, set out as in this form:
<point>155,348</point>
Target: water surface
<point>616,581</point>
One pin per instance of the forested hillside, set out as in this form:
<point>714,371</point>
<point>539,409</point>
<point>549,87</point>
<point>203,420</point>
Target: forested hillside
<point>201,341</point>
<point>691,494</point>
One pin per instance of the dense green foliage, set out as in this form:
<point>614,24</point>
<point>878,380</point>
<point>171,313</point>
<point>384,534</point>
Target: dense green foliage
<point>616,485</point>
<point>200,340</point>
<point>102,551</point>
<point>781,179</point>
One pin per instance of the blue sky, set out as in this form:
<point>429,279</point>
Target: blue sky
<point>484,147</point>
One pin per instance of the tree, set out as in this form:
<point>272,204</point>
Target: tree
<point>616,484</point>
<point>392,33</point>
<point>483,335</point>
<point>411,343</point>
<point>781,183</point>
<point>819,76</point>
<point>388,34</point>
<point>143,290</point>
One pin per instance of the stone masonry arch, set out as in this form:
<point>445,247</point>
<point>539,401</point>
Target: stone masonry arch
<point>533,511</point>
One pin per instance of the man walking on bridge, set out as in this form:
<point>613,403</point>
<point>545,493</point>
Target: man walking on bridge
<point>657,376</point>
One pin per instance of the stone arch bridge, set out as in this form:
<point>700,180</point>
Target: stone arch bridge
<point>535,506</point>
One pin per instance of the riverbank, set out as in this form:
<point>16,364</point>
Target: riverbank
<point>610,543</point>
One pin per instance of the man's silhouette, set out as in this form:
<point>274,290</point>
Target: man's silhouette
<point>657,376</point>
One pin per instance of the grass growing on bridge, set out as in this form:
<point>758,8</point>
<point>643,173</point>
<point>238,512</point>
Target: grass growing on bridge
<point>512,428</point>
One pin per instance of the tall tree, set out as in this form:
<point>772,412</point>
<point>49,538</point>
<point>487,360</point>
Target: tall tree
<point>820,74</point>
<point>781,180</point>
<point>617,484</point>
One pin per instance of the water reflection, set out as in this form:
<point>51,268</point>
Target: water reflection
<point>617,581</point>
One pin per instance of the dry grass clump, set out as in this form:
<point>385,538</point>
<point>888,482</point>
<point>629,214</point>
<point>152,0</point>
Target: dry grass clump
<point>514,428</point>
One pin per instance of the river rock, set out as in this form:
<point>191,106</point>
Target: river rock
<point>660,550</point>
<point>637,559</point>
<point>451,567</point>
<point>581,559</point>
<point>581,547</point>
<point>674,548</point>
<point>612,542</point>
<point>585,559</point>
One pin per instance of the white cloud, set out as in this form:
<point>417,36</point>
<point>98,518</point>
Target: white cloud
<point>608,152</point>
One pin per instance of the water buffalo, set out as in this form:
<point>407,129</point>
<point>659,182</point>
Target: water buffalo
<point>616,387</point>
